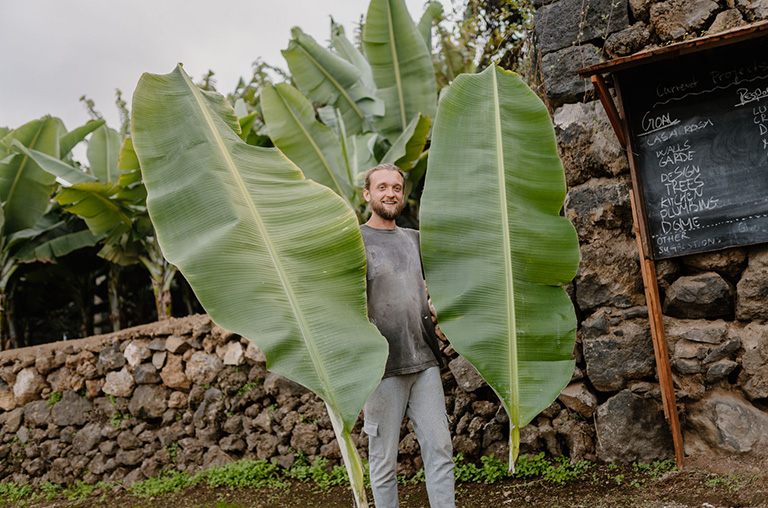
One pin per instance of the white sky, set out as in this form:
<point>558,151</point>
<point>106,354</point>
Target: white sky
<point>55,51</point>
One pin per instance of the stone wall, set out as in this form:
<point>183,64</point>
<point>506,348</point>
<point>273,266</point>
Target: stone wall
<point>715,305</point>
<point>187,394</point>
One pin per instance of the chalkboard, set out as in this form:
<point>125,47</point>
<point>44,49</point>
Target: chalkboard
<point>699,136</point>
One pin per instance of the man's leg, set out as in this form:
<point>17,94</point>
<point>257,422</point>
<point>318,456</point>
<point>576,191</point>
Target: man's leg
<point>384,413</point>
<point>426,409</point>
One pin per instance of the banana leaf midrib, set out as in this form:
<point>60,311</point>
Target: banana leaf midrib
<point>282,274</point>
<point>316,148</point>
<point>511,318</point>
<point>336,84</point>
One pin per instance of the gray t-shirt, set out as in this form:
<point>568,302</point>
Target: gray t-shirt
<point>397,298</point>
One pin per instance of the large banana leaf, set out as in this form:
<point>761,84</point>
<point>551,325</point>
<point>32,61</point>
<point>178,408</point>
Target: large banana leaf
<point>68,140</point>
<point>433,12</point>
<point>103,151</point>
<point>496,251</point>
<point>270,255</point>
<point>401,64</point>
<point>311,145</point>
<point>407,148</point>
<point>24,186</point>
<point>331,80</point>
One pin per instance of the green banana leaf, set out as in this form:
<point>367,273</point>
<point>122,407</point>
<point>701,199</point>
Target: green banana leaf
<point>68,140</point>
<point>351,54</point>
<point>270,255</point>
<point>311,145</point>
<point>97,204</point>
<point>24,186</point>
<point>103,151</point>
<point>402,66</point>
<point>331,80</point>
<point>434,11</point>
<point>496,251</point>
<point>55,166</point>
<point>55,242</point>
<point>407,148</point>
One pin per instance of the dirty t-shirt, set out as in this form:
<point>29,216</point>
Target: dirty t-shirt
<point>397,298</point>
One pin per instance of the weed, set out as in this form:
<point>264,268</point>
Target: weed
<point>11,492</point>
<point>171,449</point>
<point>117,418</point>
<point>167,481</point>
<point>54,398</point>
<point>244,473</point>
<point>491,470</point>
<point>656,469</point>
<point>112,399</point>
<point>50,490</point>
<point>247,387</point>
<point>80,490</point>
<point>318,472</point>
<point>731,482</point>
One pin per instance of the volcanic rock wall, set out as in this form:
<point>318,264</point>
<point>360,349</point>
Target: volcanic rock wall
<point>715,305</point>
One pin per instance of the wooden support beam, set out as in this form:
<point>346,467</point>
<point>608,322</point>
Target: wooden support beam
<point>610,108</point>
<point>659,336</point>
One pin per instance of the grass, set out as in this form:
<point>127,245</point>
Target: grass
<point>258,474</point>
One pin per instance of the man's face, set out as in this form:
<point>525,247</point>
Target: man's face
<point>386,194</point>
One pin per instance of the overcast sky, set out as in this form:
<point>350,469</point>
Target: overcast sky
<point>55,51</point>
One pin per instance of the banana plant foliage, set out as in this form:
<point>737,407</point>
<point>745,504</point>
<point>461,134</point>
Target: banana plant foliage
<point>496,251</point>
<point>401,65</point>
<point>271,255</point>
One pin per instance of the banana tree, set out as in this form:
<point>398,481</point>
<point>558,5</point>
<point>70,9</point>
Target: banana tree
<point>111,199</point>
<point>25,190</point>
<point>270,255</point>
<point>496,251</point>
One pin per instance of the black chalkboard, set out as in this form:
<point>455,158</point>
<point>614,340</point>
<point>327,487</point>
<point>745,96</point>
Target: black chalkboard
<point>699,136</point>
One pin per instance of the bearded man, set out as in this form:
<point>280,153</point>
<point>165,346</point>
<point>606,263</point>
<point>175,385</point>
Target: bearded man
<point>398,306</point>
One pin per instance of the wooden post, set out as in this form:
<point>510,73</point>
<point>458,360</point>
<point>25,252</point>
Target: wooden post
<point>659,336</point>
<point>648,269</point>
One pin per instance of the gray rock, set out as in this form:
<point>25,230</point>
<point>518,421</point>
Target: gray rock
<point>202,368</point>
<point>233,354</point>
<point>110,358</point>
<point>632,429</point>
<point>266,445</point>
<point>578,398</point>
<point>562,23</point>
<point>753,9</point>
<point>37,414</point>
<point>44,361</point>
<point>148,401</point>
<point>28,386</point>
<point>701,331</point>
<point>628,41</point>
<point>723,351</point>
<point>282,388</point>
<point>558,71</point>
<point>177,345</point>
<point>725,422</point>
<point>215,456</point>
<point>675,18</point>
<point>599,204</point>
<point>588,145</point>
<point>640,9</point>
<point>158,359</point>
<point>255,354</point>
<point>728,263</point>
<point>146,373</point>
<point>754,362</point>
<point>466,375</point>
<point>87,438</point>
<point>614,359</point>
<point>609,273</point>
<point>156,345</point>
<point>136,352</point>
<point>304,438</point>
<point>720,370</point>
<point>752,289</point>
<point>118,384</point>
<point>129,457</point>
<point>726,20</point>
<point>705,295</point>
<point>72,409</point>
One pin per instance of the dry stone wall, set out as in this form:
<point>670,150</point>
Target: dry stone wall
<point>186,394</point>
<point>715,305</point>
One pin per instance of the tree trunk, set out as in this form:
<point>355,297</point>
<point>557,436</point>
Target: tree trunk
<point>113,282</point>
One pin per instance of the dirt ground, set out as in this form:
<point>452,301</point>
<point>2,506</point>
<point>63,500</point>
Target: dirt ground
<point>717,483</point>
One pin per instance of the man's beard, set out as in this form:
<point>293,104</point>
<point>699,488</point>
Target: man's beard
<point>387,213</point>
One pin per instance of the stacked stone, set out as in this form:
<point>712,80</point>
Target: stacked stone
<point>715,305</point>
<point>187,395</point>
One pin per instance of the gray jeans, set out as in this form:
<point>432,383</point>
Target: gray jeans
<point>420,396</point>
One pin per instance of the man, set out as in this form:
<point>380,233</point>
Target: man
<point>397,305</point>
